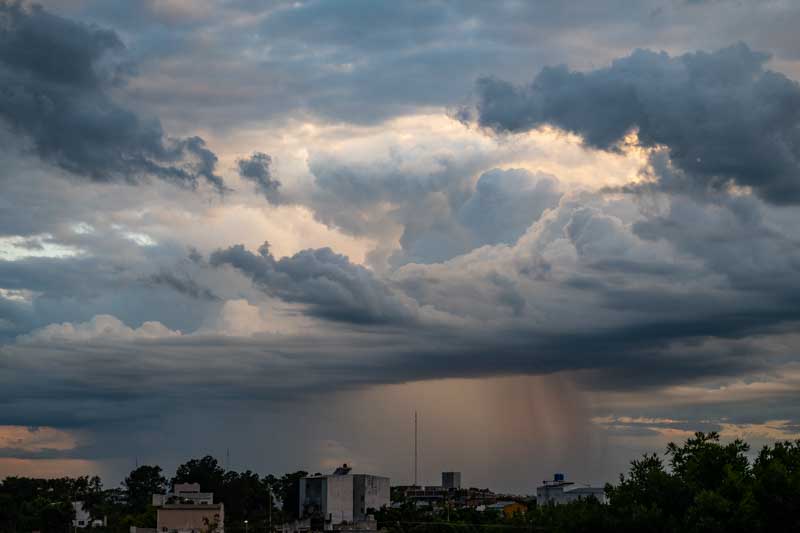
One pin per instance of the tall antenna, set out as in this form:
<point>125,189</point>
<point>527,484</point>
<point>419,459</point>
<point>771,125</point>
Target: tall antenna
<point>415,448</point>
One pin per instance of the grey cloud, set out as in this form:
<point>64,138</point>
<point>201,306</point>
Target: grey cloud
<point>257,168</point>
<point>183,284</point>
<point>370,63</point>
<point>57,76</point>
<point>724,118</point>
<point>441,213</point>
<point>328,282</point>
<point>506,202</point>
<point>76,288</point>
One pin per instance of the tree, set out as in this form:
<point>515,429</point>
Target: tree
<point>205,471</point>
<point>141,484</point>
<point>289,493</point>
<point>776,487</point>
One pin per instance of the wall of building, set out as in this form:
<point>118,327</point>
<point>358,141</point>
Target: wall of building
<point>189,518</point>
<point>313,495</point>
<point>369,492</point>
<point>339,499</point>
<point>451,480</point>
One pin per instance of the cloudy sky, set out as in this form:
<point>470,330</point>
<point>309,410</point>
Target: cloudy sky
<point>564,232</point>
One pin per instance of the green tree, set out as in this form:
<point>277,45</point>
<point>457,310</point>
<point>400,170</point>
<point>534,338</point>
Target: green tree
<point>205,471</point>
<point>776,487</point>
<point>141,484</point>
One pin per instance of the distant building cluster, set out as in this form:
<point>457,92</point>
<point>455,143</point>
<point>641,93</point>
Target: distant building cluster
<point>559,491</point>
<point>450,494</point>
<point>346,502</point>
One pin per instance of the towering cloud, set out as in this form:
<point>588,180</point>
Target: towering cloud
<point>724,118</point>
<point>56,75</point>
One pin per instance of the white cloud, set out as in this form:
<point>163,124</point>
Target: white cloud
<point>100,327</point>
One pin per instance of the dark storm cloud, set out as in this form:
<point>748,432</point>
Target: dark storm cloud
<point>107,380</point>
<point>724,118</point>
<point>57,75</point>
<point>328,282</point>
<point>257,168</point>
<point>362,62</point>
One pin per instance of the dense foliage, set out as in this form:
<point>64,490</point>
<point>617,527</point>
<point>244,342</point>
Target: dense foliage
<point>701,485</point>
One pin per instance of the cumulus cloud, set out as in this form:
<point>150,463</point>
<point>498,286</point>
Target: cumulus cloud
<point>99,327</point>
<point>57,77</point>
<point>725,118</point>
<point>437,204</point>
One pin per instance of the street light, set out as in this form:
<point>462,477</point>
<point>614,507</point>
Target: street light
<point>245,526</point>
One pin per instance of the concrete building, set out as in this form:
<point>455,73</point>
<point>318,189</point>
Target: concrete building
<point>188,510</point>
<point>559,491</point>
<point>451,480</point>
<point>342,497</point>
<point>190,518</point>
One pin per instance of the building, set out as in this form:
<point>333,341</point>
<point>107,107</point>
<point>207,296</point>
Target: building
<point>184,493</point>
<point>342,497</point>
<point>436,496</point>
<point>451,480</point>
<point>559,491</point>
<point>188,510</point>
<point>83,518</point>
<point>507,508</point>
<point>190,518</point>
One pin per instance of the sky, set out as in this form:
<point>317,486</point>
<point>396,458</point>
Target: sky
<point>562,232</point>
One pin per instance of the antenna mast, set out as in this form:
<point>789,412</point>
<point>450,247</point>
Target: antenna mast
<point>415,448</point>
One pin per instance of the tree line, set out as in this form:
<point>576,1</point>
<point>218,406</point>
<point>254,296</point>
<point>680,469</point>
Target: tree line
<point>28,504</point>
<point>702,485</point>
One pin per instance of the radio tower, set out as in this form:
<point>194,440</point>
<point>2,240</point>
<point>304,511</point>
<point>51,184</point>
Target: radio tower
<point>415,448</point>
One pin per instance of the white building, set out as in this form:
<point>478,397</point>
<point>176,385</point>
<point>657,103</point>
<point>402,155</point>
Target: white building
<point>342,497</point>
<point>559,491</point>
<point>83,518</point>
